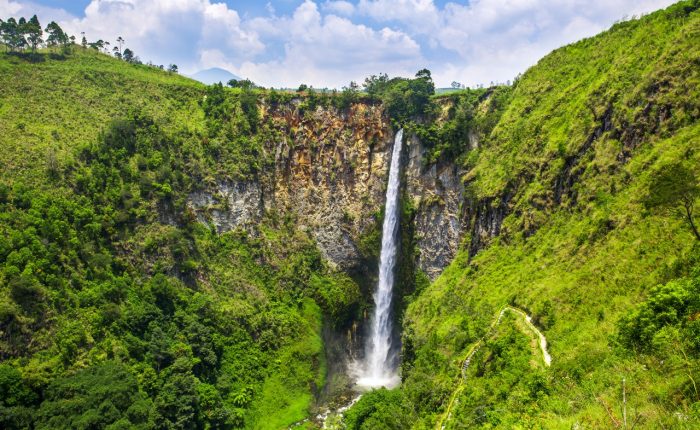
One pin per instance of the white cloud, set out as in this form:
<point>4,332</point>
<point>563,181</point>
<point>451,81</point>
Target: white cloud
<point>494,40</point>
<point>330,50</point>
<point>26,9</point>
<point>421,16</point>
<point>166,31</point>
<point>330,42</point>
<point>8,8</point>
<point>342,8</point>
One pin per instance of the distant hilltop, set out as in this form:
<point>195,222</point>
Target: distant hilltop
<point>214,75</point>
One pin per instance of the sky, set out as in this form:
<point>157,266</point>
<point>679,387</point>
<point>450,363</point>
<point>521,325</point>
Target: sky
<point>328,43</point>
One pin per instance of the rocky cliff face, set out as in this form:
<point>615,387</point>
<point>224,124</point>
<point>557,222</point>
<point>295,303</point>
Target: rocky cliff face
<point>328,168</point>
<point>229,205</point>
<point>436,193</point>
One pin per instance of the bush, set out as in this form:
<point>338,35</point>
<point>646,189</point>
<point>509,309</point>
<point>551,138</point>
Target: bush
<point>675,304</point>
<point>96,397</point>
<point>380,410</point>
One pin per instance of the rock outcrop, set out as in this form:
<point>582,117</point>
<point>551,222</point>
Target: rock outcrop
<point>436,193</point>
<point>228,205</point>
<point>328,168</point>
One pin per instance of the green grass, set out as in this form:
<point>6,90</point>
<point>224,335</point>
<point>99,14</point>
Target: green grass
<point>102,265</point>
<point>55,105</point>
<point>581,263</point>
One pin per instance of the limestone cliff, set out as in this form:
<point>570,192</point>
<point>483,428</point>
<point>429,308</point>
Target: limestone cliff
<point>436,193</point>
<point>328,168</point>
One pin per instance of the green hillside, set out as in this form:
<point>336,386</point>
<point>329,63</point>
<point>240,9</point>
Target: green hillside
<point>117,308</point>
<point>589,137</point>
<point>58,102</point>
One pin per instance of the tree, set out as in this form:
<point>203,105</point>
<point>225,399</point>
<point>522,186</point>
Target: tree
<point>97,46</point>
<point>245,84</point>
<point>172,68</point>
<point>120,41</point>
<point>456,85</point>
<point>675,188</point>
<point>84,42</point>
<point>176,403</point>
<point>13,34</point>
<point>34,33</point>
<point>426,78</point>
<point>128,55</point>
<point>117,53</point>
<point>347,96</point>
<point>21,35</point>
<point>6,30</point>
<point>302,88</point>
<point>376,85</point>
<point>95,397</point>
<point>56,35</point>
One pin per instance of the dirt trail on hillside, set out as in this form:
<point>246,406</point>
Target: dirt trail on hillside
<point>542,343</point>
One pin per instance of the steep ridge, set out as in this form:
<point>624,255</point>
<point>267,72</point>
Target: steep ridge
<point>156,229</point>
<point>555,198</point>
<point>208,253</point>
<point>262,207</point>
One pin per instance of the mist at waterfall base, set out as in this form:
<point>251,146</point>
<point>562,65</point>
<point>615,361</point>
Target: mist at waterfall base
<point>378,368</point>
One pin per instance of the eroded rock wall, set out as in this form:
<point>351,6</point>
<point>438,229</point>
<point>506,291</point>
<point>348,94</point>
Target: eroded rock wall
<point>436,192</point>
<point>330,170</point>
<point>327,167</point>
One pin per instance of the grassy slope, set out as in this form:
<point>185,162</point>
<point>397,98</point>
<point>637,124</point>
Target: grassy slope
<point>59,105</point>
<point>265,337</point>
<point>591,258</point>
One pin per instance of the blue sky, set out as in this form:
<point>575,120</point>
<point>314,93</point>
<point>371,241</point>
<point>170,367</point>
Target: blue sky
<point>328,43</point>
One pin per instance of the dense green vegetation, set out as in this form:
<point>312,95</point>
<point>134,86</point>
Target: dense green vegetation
<point>117,308</point>
<point>594,152</point>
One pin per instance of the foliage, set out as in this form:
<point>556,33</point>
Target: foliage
<point>105,395</point>
<point>380,409</point>
<point>56,36</point>
<point>675,304</point>
<point>403,99</point>
<point>574,154</point>
<point>675,185</point>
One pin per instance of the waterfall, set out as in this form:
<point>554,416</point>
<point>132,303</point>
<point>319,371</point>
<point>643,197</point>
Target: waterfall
<point>378,369</point>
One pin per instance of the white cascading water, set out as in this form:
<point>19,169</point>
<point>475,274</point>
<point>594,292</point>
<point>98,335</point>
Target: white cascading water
<point>378,369</point>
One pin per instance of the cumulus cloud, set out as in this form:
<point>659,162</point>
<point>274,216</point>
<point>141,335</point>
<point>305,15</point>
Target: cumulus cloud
<point>330,50</point>
<point>329,43</point>
<point>496,39</point>
<point>8,8</point>
<point>27,8</point>
<point>343,8</point>
<point>167,31</point>
<point>421,16</point>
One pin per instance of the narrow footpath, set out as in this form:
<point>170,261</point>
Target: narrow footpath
<point>542,342</point>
